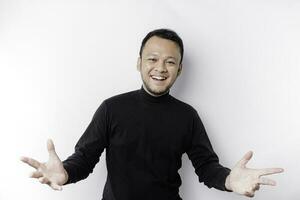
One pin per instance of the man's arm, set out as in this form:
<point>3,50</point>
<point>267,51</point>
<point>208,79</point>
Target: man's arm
<point>87,152</point>
<point>203,157</point>
<point>240,179</point>
<point>89,147</point>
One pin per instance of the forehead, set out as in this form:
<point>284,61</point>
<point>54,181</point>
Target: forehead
<point>161,46</point>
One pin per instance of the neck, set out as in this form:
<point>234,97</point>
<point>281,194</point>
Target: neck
<point>155,95</point>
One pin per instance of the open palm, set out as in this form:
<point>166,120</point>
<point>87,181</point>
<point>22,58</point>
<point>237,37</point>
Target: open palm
<point>51,172</point>
<point>246,181</point>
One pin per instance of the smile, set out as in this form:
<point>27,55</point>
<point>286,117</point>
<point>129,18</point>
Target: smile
<point>158,78</point>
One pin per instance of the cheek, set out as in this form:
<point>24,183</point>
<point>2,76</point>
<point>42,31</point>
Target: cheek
<point>146,70</point>
<point>145,75</point>
<point>173,72</point>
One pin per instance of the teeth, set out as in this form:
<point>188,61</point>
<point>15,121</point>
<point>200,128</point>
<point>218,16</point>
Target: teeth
<point>159,77</point>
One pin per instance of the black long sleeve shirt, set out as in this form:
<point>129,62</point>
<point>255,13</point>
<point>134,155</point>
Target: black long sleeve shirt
<point>145,137</point>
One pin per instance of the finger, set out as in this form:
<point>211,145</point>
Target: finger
<point>255,187</point>
<point>267,181</point>
<point>32,162</point>
<point>269,171</point>
<point>245,159</point>
<point>55,186</point>
<point>35,174</point>
<point>44,180</point>
<point>51,148</point>
<point>249,194</point>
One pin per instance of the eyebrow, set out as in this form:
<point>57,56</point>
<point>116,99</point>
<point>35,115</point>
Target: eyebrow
<point>156,54</point>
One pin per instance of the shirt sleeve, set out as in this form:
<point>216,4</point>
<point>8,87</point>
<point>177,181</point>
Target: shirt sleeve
<point>204,159</point>
<point>89,147</point>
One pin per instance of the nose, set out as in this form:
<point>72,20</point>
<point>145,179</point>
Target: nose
<point>161,67</point>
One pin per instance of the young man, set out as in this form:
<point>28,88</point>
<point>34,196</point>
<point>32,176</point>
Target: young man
<point>145,132</point>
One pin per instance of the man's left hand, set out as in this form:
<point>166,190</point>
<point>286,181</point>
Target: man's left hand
<point>246,181</point>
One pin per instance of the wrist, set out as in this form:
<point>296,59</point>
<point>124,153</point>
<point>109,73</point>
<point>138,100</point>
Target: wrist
<point>66,177</point>
<point>227,183</point>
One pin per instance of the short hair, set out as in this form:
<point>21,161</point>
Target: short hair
<point>165,34</point>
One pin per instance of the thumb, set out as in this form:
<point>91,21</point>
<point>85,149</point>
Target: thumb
<point>51,148</point>
<point>54,186</point>
<point>245,159</point>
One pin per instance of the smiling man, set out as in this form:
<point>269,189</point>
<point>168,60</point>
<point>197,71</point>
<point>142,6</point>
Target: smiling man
<point>160,63</point>
<point>145,133</point>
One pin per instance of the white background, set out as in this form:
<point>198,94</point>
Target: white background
<point>60,59</point>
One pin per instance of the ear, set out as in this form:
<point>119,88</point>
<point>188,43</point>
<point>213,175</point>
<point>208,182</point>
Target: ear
<point>138,64</point>
<point>179,69</point>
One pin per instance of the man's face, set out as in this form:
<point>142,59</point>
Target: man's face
<point>159,65</point>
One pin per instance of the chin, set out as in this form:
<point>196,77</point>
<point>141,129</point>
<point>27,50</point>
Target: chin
<point>158,91</point>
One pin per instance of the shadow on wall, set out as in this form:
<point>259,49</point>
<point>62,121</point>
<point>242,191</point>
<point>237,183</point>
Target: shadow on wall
<point>185,79</point>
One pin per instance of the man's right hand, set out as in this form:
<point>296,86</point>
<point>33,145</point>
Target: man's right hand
<point>52,172</point>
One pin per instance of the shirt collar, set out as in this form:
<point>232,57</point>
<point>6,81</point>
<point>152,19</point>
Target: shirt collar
<point>149,98</point>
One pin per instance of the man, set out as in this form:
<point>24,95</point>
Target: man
<point>145,132</point>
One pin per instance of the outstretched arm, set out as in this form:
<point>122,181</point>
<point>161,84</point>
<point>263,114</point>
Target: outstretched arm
<point>76,167</point>
<point>89,147</point>
<point>204,159</point>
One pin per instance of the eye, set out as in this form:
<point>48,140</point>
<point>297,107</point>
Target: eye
<point>171,62</point>
<point>152,59</point>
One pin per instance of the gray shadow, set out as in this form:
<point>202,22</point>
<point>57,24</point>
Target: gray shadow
<point>184,80</point>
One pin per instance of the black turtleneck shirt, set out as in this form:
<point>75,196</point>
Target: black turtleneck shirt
<point>145,137</point>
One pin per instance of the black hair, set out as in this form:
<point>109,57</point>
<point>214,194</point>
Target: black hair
<point>165,34</point>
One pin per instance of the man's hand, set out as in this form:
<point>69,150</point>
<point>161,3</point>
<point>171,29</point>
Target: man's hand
<point>246,181</point>
<point>52,172</point>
